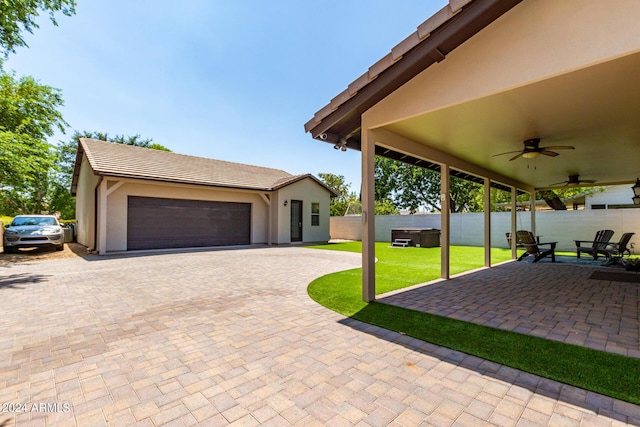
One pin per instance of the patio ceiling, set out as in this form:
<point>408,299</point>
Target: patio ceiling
<point>596,110</point>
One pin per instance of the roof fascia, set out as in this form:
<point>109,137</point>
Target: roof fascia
<point>305,176</point>
<point>76,169</point>
<point>175,181</point>
<point>148,180</point>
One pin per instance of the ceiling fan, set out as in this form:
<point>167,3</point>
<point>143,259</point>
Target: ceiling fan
<point>532,150</point>
<point>574,181</point>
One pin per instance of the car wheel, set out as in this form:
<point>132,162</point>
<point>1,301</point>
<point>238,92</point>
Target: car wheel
<point>60,248</point>
<point>9,250</point>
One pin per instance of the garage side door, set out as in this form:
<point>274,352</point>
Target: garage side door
<point>156,223</point>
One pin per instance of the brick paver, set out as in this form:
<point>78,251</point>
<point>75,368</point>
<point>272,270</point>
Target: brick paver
<point>554,301</point>
<point>231,337</point>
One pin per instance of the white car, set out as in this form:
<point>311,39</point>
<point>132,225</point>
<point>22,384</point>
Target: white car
<point>30,231</point>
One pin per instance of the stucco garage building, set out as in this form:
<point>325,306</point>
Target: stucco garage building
<point>132,198</point>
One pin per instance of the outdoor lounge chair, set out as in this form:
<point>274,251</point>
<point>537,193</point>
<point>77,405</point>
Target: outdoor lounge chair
<point>518,245</point>
<point>529,241</point>
<point>615,251</point>
<point>598,244</point>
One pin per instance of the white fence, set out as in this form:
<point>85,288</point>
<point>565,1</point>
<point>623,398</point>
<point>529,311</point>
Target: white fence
<point>468,229</point>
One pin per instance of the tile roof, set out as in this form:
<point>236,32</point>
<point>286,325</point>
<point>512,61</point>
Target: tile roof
<point>126,161</point>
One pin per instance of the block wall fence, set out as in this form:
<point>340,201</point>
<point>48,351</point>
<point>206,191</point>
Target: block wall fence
<point>467,229</point>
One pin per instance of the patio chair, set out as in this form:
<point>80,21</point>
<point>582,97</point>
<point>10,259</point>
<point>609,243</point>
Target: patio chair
<point>529,241</point>
<point>598,244</point>
<point>615,251</point>
<point>518,245</point>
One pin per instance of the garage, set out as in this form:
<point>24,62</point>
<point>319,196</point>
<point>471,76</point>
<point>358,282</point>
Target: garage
<point>159,223</point>
<point>133,198</point>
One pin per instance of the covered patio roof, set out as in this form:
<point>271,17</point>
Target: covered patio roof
<point>593,108</point>
<point>479,78</point>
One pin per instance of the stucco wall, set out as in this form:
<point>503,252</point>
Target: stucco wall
<point>614,195</point>
<point>308,191</point>
<point>468,229</point>
<point>85,205</point>
<point>117,207</point>
<point>534,41</point>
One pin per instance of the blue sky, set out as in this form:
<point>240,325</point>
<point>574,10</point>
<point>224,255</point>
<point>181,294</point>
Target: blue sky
<point>232,80</point>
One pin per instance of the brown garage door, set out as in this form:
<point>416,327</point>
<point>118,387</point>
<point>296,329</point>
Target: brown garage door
<point>156,223</point>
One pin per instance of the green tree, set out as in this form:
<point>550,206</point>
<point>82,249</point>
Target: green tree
<point>60,199</point>
<point>385,207</point>
<point>29,107</point>
<point>29,114</point>
<point>17,16</point>
<point>340,204</point>
<point>348,202</point>
<point>412,187</point>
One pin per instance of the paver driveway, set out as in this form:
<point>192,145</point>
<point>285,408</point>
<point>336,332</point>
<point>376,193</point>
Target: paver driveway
<point>230,336</point>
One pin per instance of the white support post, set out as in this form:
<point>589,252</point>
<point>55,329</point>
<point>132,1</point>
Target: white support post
<point>514,223</point>
<point>487,222</point>
<point>102,217</point>
<point>368,217</point>
<point>445,222</point>
<point>532,209</point>
<point>267,200</point>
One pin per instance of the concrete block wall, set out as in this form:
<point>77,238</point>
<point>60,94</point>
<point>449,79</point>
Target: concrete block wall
<point>468,229</point>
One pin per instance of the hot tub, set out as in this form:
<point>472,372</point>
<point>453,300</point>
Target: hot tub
<point>423,237</point>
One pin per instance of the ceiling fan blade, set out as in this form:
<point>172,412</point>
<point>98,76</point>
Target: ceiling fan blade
<point>508,152</point>
<point>588,181</point>
<point>559,147</point>
<point>549,153</point>
<point>517,156</point>
<point>559,183</point>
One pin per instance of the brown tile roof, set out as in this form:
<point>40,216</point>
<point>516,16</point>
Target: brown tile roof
<point>126,161</point>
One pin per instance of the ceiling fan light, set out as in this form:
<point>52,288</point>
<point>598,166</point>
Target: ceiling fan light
<point>530,154</point>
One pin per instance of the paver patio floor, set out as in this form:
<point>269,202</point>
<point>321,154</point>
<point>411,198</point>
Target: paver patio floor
<point>231,337</point>
<point>554,301</point>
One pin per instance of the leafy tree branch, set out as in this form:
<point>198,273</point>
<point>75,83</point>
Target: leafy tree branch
<point>17,16</point>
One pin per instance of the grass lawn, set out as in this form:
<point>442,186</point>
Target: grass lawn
<point>606,373</point>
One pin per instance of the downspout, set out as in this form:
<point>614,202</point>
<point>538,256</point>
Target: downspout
<point>95,215</point>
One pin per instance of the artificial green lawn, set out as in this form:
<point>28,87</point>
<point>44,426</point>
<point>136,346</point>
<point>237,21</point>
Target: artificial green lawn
<point>606,373</point>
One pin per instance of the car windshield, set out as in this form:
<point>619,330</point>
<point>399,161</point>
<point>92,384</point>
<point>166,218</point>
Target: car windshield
<point>33,220</point>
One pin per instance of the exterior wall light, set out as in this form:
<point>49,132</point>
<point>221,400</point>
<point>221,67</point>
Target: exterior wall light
<point>285,202</point>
